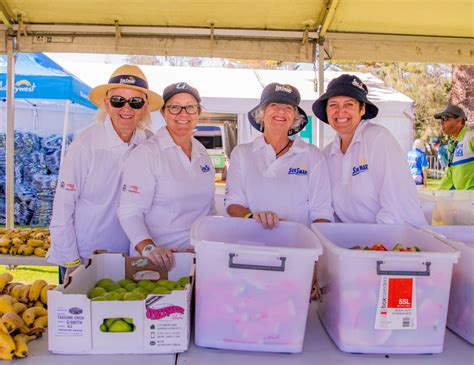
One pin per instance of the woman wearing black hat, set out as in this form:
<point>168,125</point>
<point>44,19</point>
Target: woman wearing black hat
<point>275,177</point>
<point>168,182</point>
<point>370,179</point>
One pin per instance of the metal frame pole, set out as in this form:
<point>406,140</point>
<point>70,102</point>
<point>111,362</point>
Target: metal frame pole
<point>10,135</point>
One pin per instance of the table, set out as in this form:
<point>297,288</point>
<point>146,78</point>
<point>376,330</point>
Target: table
<point>320,350</point>
<point>39,355</point>
<point>24,260</point>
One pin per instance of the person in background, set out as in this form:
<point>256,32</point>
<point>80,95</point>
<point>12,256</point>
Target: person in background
<point>274,177</point>
<point>89,182</point>
<point>440,150</point>
<point>168,182</point>
<point>418,163</point>
<point>370,179</point>
<point>460,166</point>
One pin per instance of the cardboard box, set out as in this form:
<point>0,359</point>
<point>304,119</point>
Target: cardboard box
<point>162,322</point>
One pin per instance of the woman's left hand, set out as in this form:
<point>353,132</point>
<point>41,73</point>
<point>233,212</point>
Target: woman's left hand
<point>267,219</point>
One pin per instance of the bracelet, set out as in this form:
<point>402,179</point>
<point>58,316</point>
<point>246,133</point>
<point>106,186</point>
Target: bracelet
<point>248,215</point>
<point>147,249</point>
<point>74,263</point>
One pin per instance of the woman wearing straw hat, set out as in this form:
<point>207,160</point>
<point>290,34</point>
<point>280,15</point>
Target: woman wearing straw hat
<point>275,177</point>
<point>89,182</point>
<point>370,179</point>
<point>168,182</point>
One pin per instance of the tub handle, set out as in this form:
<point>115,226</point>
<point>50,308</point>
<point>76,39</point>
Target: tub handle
<point>404,273</point>
<point>234,265</point>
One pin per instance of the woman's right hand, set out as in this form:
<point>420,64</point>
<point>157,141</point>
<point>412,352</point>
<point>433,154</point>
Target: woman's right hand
<point>267,219</point>
<point>160,256</point>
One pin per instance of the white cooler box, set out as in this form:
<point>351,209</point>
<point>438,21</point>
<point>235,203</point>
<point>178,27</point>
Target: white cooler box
<point>363,290</point>
<point>461,302</point>
<point>253,285</point>
<point>454,210</point>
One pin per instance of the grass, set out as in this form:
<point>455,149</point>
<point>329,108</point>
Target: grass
<point>28,274</point>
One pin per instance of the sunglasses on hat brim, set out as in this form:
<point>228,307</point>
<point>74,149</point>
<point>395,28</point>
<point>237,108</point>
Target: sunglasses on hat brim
<point>136,102</point>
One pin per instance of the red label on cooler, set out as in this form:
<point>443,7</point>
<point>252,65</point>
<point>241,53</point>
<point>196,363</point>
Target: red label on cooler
<point>400,292</point>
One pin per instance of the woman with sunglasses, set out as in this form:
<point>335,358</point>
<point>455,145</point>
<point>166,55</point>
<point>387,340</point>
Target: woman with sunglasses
<point>168,182</point>
<point>370,179</point>
<point>89,183</point>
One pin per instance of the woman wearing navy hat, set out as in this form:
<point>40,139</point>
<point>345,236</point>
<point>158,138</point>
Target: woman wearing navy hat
<point>275,177</point>
<point>370,179</point>
<point>168,182</point>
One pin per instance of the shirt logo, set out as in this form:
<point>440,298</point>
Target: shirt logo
<point>298,171</point>
<point>458,151</point>
<point>130,188</point>
<point>205,168</point>
<point>363,167</point>
<point>67,186</point>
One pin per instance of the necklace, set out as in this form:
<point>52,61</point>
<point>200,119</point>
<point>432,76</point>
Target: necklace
<point>284,148</point>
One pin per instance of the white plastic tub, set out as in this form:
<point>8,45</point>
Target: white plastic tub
<point>253,285</point>
<point>461,302</point>
<point>457,209</point>
<point>350,282</point>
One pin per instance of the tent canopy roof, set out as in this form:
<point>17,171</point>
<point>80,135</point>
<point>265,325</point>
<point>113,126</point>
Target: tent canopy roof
<point>39,77</point>
<point>380,30</point>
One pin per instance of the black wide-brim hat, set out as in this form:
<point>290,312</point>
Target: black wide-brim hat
<point>345,85</point>
<point>282,94</point>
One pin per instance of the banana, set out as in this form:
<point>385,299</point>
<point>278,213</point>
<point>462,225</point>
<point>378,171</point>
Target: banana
<point>44,293</point>
<point>35,243</point>
<point>25,250</point>
<point>46,245</point>
<point>12,322</point>
<point>5,278</point>
<point>15,291</point>
<point>5,305</point>
<point>13,250</point>
<point>17,241</point>
<point>31,314</point>
<point>35,290</point>
<point>39,303</point>
<point>5,250</point>
<point>9,287</point>
<point>7,346</point>
<point>21,347</point>
<point>24,294</point>
<point>41,322</point>
<point>41,252</point>
<point>19,307</point>
<point>5,242</point>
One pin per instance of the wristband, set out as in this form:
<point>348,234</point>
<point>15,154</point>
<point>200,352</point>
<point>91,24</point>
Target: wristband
<point>147,249</point>
<point>248,215</point>
<point>74,263</point>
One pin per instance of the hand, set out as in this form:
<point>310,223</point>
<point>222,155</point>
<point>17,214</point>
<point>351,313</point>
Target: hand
<point>268,220</point>
<point>162,257</point>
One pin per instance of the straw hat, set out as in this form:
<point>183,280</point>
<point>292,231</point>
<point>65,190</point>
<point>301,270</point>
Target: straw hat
<point>128,77</point>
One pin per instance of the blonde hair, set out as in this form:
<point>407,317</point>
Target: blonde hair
<point>144,123</point>
<point>418,143</point>
<point>259,113</point>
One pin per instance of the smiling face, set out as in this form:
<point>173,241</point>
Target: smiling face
<point>182,124</point>
<point>344,114</point>
<point>125,119</point>
<point>278,118</point>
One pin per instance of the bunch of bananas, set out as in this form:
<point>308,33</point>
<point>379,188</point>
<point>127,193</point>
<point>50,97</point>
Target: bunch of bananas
<point>25,241</point>
<point>23,315</point>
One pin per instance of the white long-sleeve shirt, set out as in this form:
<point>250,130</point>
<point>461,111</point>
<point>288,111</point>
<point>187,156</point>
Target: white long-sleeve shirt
<point>296,186</point>
<point>371,182</point>
<point>164,192</point>
<point>88,193</point>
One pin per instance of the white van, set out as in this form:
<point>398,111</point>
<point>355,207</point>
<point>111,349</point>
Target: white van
<point>212,137</point>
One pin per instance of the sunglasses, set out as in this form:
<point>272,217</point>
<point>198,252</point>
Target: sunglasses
<point>176,109</point>
<point>119,101</point>
<point>444,118</point>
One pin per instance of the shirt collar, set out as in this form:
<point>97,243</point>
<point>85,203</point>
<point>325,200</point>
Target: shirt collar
<point>336,145</point>
<point>166,141</point>
<point>113,139</point>
<point>461,134</point>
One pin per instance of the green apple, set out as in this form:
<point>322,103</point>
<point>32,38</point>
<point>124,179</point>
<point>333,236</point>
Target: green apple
<point>112,287</point>
<point>96,292</point>
<point>124,282</point>
<point>134,296</point>
<point>120,326</point>
<point>103,328</point>
<point>162,282</point>
<point>143,283</point>
<point>160,290</point>
<point>171,285</point>
<point>100,298</point>
<point>130,286</point>
<point>102,283</point>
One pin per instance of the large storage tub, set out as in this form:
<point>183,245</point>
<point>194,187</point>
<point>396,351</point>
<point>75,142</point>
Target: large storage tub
<point>253,285</point>
<point>352,287</point>
<point>461,301</point>
<point>454,210</point>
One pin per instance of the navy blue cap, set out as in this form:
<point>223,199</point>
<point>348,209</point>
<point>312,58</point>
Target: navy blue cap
<point>345,85</point>
<point>180,87</point>
<point>451,110</point>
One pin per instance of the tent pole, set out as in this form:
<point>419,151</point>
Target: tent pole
<point>10,135</point>
<point>65,131</point>
<point>320,60</point>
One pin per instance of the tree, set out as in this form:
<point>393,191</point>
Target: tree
<point>462,89</point>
